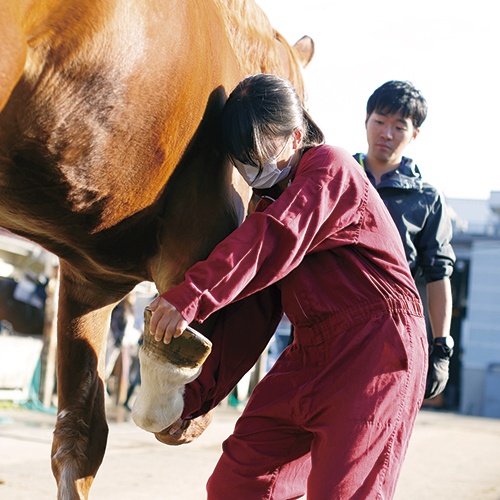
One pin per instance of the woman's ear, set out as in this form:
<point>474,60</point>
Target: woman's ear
<point>298,133</point>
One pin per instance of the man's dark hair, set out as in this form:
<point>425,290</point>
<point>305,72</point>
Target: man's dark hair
<point>395,96</point>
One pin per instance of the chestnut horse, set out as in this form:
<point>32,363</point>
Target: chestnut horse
<point>109,158</point>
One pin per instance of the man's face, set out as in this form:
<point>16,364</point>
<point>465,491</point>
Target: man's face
<point>388,135</point>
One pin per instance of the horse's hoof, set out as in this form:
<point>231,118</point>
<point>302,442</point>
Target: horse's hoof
<point>189,350</point>
<point>189,431</point>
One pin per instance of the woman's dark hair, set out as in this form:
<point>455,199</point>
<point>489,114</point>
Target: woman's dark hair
<point>261,113</point>
<point>395,96</point>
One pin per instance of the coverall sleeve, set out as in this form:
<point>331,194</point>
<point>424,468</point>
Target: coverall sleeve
<point>436,255</point>
<point>323,202</point>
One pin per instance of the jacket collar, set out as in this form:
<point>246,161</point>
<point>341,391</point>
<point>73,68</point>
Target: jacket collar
<point>406,176</point>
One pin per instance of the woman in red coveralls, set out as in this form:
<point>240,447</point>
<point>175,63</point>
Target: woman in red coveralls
<point>334,415</point>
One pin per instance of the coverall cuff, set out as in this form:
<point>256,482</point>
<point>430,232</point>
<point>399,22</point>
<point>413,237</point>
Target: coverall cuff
<point>185,300</point>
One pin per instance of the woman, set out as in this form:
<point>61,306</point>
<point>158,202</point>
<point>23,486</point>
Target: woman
<point>334,415</point>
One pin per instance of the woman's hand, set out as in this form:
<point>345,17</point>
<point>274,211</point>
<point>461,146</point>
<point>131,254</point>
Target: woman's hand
<point>166,321</point>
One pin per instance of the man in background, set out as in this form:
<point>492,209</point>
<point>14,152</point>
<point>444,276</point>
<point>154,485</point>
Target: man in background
<point>394,114</point>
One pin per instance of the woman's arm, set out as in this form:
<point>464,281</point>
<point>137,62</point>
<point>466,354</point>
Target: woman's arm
<point>322,202</point>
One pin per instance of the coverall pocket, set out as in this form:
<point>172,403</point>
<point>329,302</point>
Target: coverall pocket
<point>401,340</point>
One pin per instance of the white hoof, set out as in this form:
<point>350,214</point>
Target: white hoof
<point>160,400</point>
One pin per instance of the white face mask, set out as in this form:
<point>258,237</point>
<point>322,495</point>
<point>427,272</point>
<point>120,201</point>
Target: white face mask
<point>269,175</point>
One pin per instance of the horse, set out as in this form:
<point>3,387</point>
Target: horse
<point>110,159</point>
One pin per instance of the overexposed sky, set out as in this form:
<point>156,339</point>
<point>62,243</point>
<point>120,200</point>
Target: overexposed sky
<point>450,50</point>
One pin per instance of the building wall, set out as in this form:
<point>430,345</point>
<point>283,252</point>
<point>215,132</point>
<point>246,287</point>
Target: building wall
<point>481,332</point>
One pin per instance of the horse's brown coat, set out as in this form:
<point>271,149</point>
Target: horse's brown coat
<point>109,158</point>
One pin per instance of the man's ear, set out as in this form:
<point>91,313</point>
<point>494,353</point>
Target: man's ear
<point>416,131</point>
<point>366,121</point>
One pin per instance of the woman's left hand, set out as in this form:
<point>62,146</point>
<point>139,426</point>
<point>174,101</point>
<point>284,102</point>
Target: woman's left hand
<point>166,321</point>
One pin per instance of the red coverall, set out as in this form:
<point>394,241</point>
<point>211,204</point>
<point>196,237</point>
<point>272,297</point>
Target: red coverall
<point>334,415</point>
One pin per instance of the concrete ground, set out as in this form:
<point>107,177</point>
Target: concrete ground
<point>451,457</point>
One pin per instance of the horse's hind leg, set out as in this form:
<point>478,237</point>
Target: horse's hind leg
<point>81,430</point>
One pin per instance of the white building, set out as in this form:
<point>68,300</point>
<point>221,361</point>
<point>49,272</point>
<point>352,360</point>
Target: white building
<point>476,287</point>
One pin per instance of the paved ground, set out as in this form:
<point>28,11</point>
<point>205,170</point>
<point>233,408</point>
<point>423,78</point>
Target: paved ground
<point>451,457</point>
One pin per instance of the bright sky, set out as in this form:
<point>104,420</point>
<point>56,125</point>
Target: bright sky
<point>449,49</point>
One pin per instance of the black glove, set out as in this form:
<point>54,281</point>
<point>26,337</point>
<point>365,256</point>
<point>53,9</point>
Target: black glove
<point>439,370</point>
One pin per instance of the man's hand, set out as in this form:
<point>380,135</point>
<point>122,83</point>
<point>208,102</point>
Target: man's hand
<point>439,370</point>
<point>166,321</point>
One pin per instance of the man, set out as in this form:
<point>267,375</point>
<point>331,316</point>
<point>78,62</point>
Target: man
<point>395,112</point>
